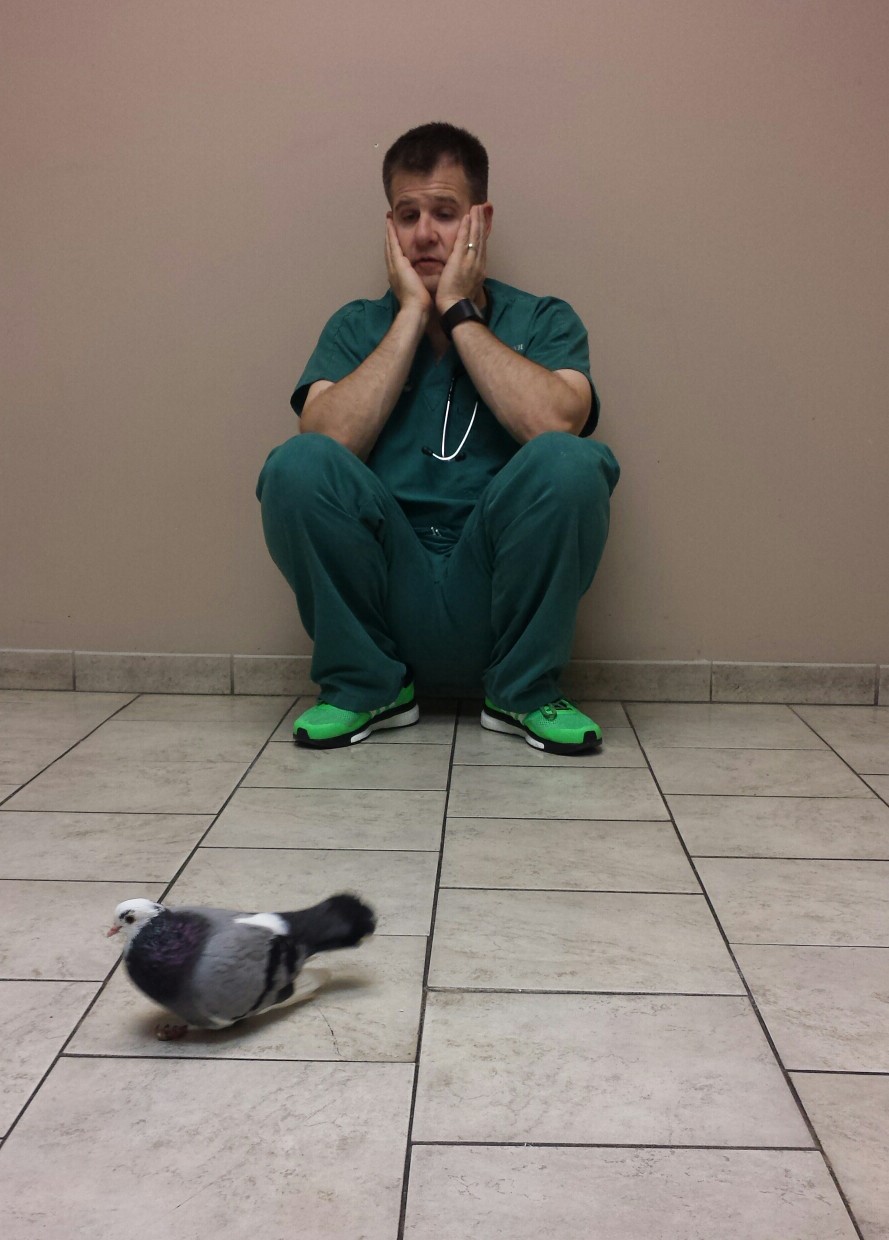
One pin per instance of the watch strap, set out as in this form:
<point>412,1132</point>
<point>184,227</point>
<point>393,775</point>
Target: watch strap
<point>459,313</point>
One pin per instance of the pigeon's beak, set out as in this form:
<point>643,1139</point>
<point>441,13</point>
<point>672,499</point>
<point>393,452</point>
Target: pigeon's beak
<point>113,930</point>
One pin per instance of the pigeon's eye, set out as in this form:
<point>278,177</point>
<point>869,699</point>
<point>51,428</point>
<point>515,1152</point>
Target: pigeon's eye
<point>129,919</point>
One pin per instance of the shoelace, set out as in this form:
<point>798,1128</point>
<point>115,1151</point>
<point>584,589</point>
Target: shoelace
<point>551,709</point>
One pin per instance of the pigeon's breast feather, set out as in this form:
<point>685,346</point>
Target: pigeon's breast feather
<point>165,952</point>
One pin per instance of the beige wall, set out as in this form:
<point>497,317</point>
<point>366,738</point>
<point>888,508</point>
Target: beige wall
<point>192,186</point>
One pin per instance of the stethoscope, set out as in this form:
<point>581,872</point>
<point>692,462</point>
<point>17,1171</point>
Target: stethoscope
<point>458,454</point>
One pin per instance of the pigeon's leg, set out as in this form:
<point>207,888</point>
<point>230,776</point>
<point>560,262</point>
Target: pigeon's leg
<point>166,1032</point>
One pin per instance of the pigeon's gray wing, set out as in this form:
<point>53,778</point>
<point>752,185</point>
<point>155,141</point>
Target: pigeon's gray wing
<point>243,969</point>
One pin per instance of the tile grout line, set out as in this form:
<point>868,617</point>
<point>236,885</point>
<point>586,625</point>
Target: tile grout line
<point>754,1006</point>
<point>586,993</point>
<point>858,775</point>
<point>227,800</point>
<point>117,964</point>
<point>837,1072</point>
<point>70,749</point>
<point>160,1057</point>
<point>405,1181</point>
<point>613,1145</point>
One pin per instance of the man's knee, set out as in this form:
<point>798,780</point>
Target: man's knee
<point>566,465</point>
<point>301,465</point>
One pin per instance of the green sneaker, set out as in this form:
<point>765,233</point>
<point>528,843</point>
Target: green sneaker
<point>558,727</point>
<point>323,726</point>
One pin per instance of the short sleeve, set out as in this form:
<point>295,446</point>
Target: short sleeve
<point>558,340</point>
<point>342,347</point>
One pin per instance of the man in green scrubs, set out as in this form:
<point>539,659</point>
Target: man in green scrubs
<point>443,509</point>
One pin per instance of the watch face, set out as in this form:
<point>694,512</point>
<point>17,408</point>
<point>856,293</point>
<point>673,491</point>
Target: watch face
<point>459,313</point>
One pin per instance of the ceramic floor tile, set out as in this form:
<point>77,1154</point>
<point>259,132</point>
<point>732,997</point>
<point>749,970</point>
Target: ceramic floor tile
<point>330,818</point>
<point>600,1069</point>
<point>859,734</point>
<point>207,708</point>
<point>398,885</point>
<point>63,708</point>
<point>559,940</point>
<point>27,751</point>
<point>553,879</point>
<point>859,723</point>
<point>211,1149</point>
<point>284,730</point>
<point>7,790</point>
<point>849,1115</point>
<point>572,855</point>
<point>606,714</point>
<point>538,792</point>
<point>880,785</point>
<point>489,1193</point>
<point>478,747</point>
<point>35,1020</point>
<point>782,826</point>
<point>33,733</point>
<point>827,903</point>
<point>364,766</point>
<point>179,741</point>
<point>56,931</point>
<point>369,1010</point>
<point>107,785</point>
<point>753,772</point>
<point>715,725</point>
<point>131,847</point>
<point>827,1008</point>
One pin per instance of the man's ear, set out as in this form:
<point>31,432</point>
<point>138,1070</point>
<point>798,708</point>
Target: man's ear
<point>488,211</point>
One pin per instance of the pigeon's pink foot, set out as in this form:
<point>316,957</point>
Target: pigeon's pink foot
<point>170,1033</point>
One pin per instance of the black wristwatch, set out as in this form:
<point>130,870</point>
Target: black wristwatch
<point>459,313</point>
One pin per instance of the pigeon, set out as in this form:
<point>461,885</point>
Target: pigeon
<point>212,967</point>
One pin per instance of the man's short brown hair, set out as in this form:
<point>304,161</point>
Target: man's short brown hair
<point>421,149</point>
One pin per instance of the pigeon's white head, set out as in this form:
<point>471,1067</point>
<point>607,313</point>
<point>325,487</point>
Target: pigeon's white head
<point>131,916</point>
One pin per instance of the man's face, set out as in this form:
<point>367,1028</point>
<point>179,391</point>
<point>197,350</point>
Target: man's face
<point>426,212</point>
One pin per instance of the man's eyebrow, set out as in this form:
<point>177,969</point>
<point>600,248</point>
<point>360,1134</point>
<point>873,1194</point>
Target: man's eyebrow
<point>409,201</point>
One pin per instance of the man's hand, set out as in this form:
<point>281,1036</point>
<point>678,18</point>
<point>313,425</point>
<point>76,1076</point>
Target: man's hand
<point>407,286</point>
<point>464,272</point>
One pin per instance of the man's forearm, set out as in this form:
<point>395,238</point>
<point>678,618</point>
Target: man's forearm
<point>526,399</point>
<point>355,410</point>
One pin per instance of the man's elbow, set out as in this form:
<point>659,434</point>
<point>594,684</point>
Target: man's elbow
<point>568,416</point>
<point>309,427</point>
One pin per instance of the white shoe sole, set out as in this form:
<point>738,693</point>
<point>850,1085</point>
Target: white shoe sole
<point>509,729</point>
<point>394,721</point>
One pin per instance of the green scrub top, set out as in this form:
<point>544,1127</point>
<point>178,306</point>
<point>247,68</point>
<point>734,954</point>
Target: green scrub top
<point>437,496</point>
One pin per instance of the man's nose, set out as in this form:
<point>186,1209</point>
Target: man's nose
<point>425,230</point>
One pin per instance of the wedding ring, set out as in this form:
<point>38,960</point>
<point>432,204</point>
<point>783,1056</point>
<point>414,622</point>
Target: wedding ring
<point>471,246</point>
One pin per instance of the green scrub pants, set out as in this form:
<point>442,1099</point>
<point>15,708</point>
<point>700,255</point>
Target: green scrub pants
<point>495,612</point>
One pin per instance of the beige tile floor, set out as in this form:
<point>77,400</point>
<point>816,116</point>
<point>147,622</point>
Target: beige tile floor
<point>644,994</point>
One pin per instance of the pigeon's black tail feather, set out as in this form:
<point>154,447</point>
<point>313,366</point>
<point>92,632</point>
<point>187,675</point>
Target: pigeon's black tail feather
<point>341,921</point>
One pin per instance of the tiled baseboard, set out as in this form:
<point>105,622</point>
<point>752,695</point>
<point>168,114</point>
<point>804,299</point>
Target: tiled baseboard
<point>628,680</point>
